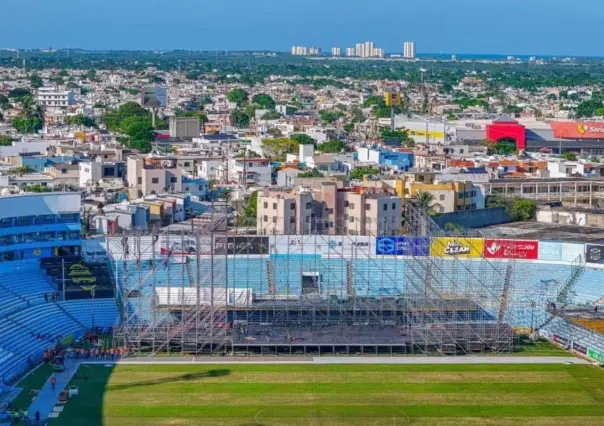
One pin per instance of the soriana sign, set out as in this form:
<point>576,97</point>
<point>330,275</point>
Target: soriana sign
<point>578,130</point>
<point>511,249</point>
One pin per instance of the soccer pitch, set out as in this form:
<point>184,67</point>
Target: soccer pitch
<point>340,394</point>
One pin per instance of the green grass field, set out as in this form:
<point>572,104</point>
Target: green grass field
<point>252,394</point>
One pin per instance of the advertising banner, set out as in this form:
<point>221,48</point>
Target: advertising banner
<point>594,253</point>
<point>511,249</point>
<point>340,245</point>
<point>549,250</point>
<point>457,247</point>
<point>578,130</point>
<point>579,348</point>
<point>294,245</point>
<point>570,251</point>
<point>247,245</point>
<point>402,246</point>
<point>595,355</point>
<point>560,340</point>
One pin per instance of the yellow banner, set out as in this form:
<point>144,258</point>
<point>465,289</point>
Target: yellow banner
<point>458,247</point>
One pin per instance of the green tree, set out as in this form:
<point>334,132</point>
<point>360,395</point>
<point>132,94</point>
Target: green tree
<point>250,210</point>
<point>264,101</point>
<point>332,146</point>
<point>278,148</point>
<point>80,120</point>
<point>360,172</point>
<point>238,96</point>
<point>6,140</point>
<point>424,202</point>
<point>203,118</point>
<point>588,108</point>
<point>90,75</point>
<point>569,156</point>
<point>331,116</point>
<point>399,135</point>
<point>314,173</point>
<point>239,118</point>
<point>28,124</point>
<point>271,115</point>
<point>18,93</point>
<point>4,102</point>
<point>36,81</point>
<point>523,209</point>
<point>302,139</point>
<point>63,73</point>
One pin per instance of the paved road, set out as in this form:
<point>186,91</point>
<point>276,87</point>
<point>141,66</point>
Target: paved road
<point>351,360</point>
<point>48,397</point>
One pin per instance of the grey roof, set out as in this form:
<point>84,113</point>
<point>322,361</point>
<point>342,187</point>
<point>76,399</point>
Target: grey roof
<point>505,119</point>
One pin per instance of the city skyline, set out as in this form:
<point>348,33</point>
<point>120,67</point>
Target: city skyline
<point>436,26</point>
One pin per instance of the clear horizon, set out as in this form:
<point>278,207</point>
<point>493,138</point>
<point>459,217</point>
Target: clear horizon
<point>465,27</point>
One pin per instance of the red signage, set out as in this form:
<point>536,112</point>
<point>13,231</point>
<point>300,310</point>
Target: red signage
<point>578,129</point>
<point>511,249</point>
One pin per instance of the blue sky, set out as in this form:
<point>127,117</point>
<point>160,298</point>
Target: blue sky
<point>556,27</point>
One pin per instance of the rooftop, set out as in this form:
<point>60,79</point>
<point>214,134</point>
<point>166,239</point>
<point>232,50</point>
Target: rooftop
<point>531,230</point>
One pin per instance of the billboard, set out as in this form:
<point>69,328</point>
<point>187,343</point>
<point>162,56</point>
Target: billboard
<point>402,246</point>
<point>570,251</point>
<point>247,245</point>
<point>593,354</point>
<point>511,249</point>
<point>549,250</point>
<point>457,247</point>
<point>322,245</point>
<point>154,97</point>
<point>594,253</point>
<point>578,129</point>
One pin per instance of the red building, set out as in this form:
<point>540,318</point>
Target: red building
<point>506,128</point>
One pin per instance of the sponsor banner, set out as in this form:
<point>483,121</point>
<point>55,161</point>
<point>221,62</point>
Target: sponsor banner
<point>579,348</point>
<point>594,253</point>
<point>322,245</point>
<point>247,245</point>
<point>457,247</point>
<point>560,340</point>
<point>340,245</point>
<point>511,249</point>
<point>402,246</point>
<point>595,355</point>
<point>549,250</point>
<point>578,130</point>
<point>570,251</point>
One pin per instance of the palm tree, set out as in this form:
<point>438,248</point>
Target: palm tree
<point>424,202</point>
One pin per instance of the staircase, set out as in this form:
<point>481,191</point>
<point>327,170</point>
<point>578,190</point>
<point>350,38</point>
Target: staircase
<point>349,280</point>
<point>192,282</point>
<point>271,278</point>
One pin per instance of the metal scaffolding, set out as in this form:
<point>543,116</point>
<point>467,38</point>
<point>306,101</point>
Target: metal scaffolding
<point>205,289</point>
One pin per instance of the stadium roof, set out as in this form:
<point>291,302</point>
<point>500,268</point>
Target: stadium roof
<point>531,230</point>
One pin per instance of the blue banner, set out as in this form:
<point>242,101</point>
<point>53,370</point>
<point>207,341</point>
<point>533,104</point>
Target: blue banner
<point>549,250</point>
<point>402,246</point>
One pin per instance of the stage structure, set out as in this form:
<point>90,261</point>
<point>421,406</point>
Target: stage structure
<point>208,289</point>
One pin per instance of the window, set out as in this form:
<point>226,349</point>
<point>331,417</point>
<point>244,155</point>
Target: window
<point>139,180</point>
<point>201,187</point>
<point>385,207</point>
<point>308,206</point>
<point>274,219</point>
<point>292,206</point>
<point>250,164</point>
<point>367,206</point>
<point>154,180</point>
<point>351,219</point>
<point>292,220</point>
<point>307,219</point>
<point>393,206</point>
<point>25,220</point>
<point>187,164</point>
<point>6,222</point>
<point>330,211</point>
<point>173,179</point>
<point>64,171</point>
<point>265,218</point>
<point>442,197</point>
<point>352,205</point>
<point>346,203</point>
<point>44,219</point>
<point>187,189</point>
<point>274,206</point>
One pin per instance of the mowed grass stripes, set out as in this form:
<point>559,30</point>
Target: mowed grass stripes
<point>269,394</point>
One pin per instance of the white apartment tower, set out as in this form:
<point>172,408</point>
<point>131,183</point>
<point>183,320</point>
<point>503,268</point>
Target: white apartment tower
<point>409,50</point>
<point>350,52</point>
<point>336,51</point>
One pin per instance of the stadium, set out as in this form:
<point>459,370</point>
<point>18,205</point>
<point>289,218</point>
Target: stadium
<point>209,295</point>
